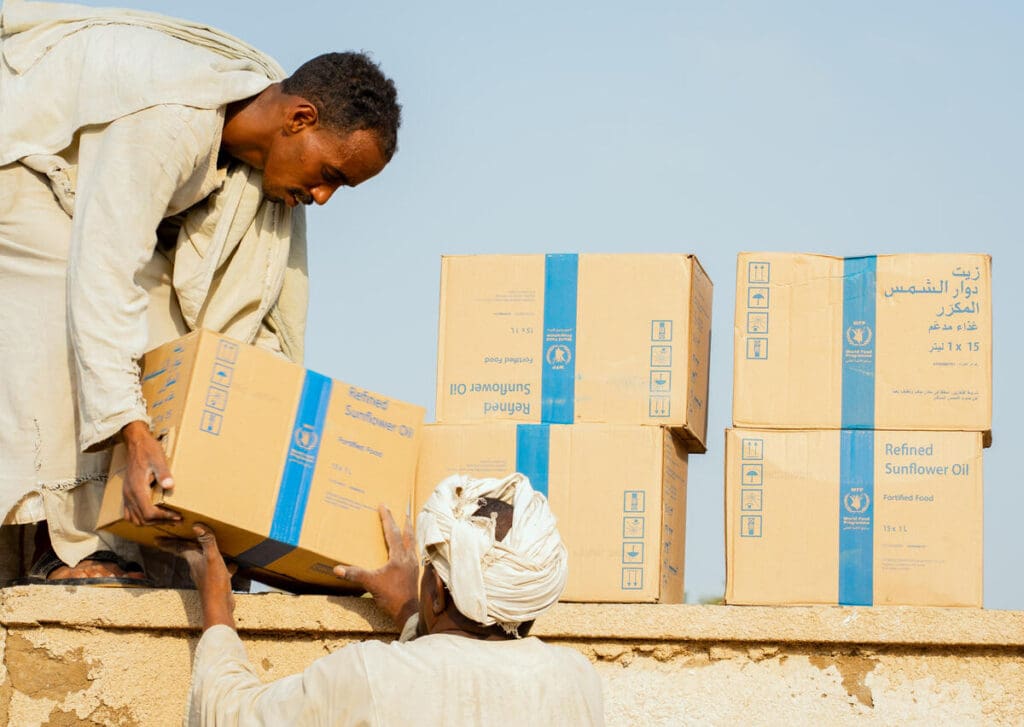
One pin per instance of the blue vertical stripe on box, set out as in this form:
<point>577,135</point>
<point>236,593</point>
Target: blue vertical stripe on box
<point>856,517</point>
<point>297,477</point>
<point>532,448</point>
<point>558,385</point>
<point>858,397</point>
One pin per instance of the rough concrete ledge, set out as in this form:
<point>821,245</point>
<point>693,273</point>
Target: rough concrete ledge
<point>144,609</point>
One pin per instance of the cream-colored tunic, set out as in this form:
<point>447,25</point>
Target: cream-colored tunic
<point>437,680</point>
<point>130,174</point>
<point>111,122</point>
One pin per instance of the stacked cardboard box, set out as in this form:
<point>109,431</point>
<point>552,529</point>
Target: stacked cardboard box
<point>862,398</point>
<point>288,466</point>
<point>589,374</point>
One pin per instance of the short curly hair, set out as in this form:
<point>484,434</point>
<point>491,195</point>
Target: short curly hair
<point>350,93</point>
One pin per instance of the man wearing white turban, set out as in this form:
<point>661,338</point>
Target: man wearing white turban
<point>494,561</point>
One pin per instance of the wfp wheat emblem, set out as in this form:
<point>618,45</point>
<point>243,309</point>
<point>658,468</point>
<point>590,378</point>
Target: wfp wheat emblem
<point>306,437</point>
<point>859,334</point>
<point>856,502</point>
<point>558,356</point>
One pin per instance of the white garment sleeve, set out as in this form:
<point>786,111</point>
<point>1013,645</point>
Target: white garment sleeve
<point>129,171</point>
<point>226,691</point>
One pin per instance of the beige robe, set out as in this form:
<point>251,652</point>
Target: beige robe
<point>439,679</point>
<point>111,122</point>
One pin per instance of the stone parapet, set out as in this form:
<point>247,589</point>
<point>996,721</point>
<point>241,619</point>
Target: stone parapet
<point>115,656</point>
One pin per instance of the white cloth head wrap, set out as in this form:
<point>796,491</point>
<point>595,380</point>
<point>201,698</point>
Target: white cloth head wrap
<point>491,581</point>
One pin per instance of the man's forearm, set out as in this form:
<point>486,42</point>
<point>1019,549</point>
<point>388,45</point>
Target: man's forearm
<point>217,613</point>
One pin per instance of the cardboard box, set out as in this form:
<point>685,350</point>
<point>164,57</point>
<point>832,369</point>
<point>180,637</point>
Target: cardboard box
<point>287,465</point>
<point>853,517</point>
<point>563,339</point>
<point>618,491</point>
<point>880,342</point>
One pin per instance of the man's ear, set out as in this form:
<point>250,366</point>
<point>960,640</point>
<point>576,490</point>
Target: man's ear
<point>438,599</point>
<point>300,115</point>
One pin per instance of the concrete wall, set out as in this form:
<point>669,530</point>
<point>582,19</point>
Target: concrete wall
<point>121,657</point>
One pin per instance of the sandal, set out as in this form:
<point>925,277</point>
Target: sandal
<point>48,562</point>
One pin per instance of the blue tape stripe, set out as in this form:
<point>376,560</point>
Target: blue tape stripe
<point>532,448</point>
<point>858,400</point>
<point>293,493</point>
<point>558,377</point>
<point>265,553</point>
<point>856,517</point>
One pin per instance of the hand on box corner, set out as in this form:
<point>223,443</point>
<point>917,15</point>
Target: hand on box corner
<point>395,585</point>
<point>209,572</point>
<point>146,464</point>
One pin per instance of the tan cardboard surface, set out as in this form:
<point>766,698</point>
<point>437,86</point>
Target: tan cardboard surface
<point>931,341</point>
<point>618,491</point>
<point>640,351</point>
<point>784,509</point>
<point>238,422</point>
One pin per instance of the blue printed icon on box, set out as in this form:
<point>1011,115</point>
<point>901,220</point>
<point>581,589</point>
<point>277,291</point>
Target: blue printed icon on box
<point>757,349</point>
<point>752,500</point>
<point>633,553</point>
<point>632,579</point>
<point>661,406</point>
<point>661,330</point>
<point>632,527</point>
<point>753,474</point>
<point>752,448</point>
<point>757,297</point>
<point>227,351</point>
<point>633,501</point>
<point>217,398</point>
<point>221,375</point>
<point>210,422</point>
<point>661,355</point>
<point>757,322</point>
<point>750,526</point>
<point>759,272</point>
<point>661,381</point>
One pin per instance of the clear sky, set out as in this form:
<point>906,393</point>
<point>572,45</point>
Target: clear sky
<point>843,128</point>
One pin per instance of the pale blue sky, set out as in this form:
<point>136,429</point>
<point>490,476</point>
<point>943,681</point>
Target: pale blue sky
<point>711,128</point>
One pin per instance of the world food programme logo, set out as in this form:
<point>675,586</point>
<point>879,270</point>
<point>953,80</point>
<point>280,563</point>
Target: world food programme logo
<point>856,502</point>
<point>859,334</point>
<point>306,437</point>
<point>558,356</point>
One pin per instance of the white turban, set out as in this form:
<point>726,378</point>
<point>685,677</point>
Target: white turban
<point>505,582</point>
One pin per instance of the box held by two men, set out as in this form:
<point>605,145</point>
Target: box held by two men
<point>563,339</point>
<point>287,465</point>
<point>877,342</point>
<point>617,491</point>
<point>853,517</point>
